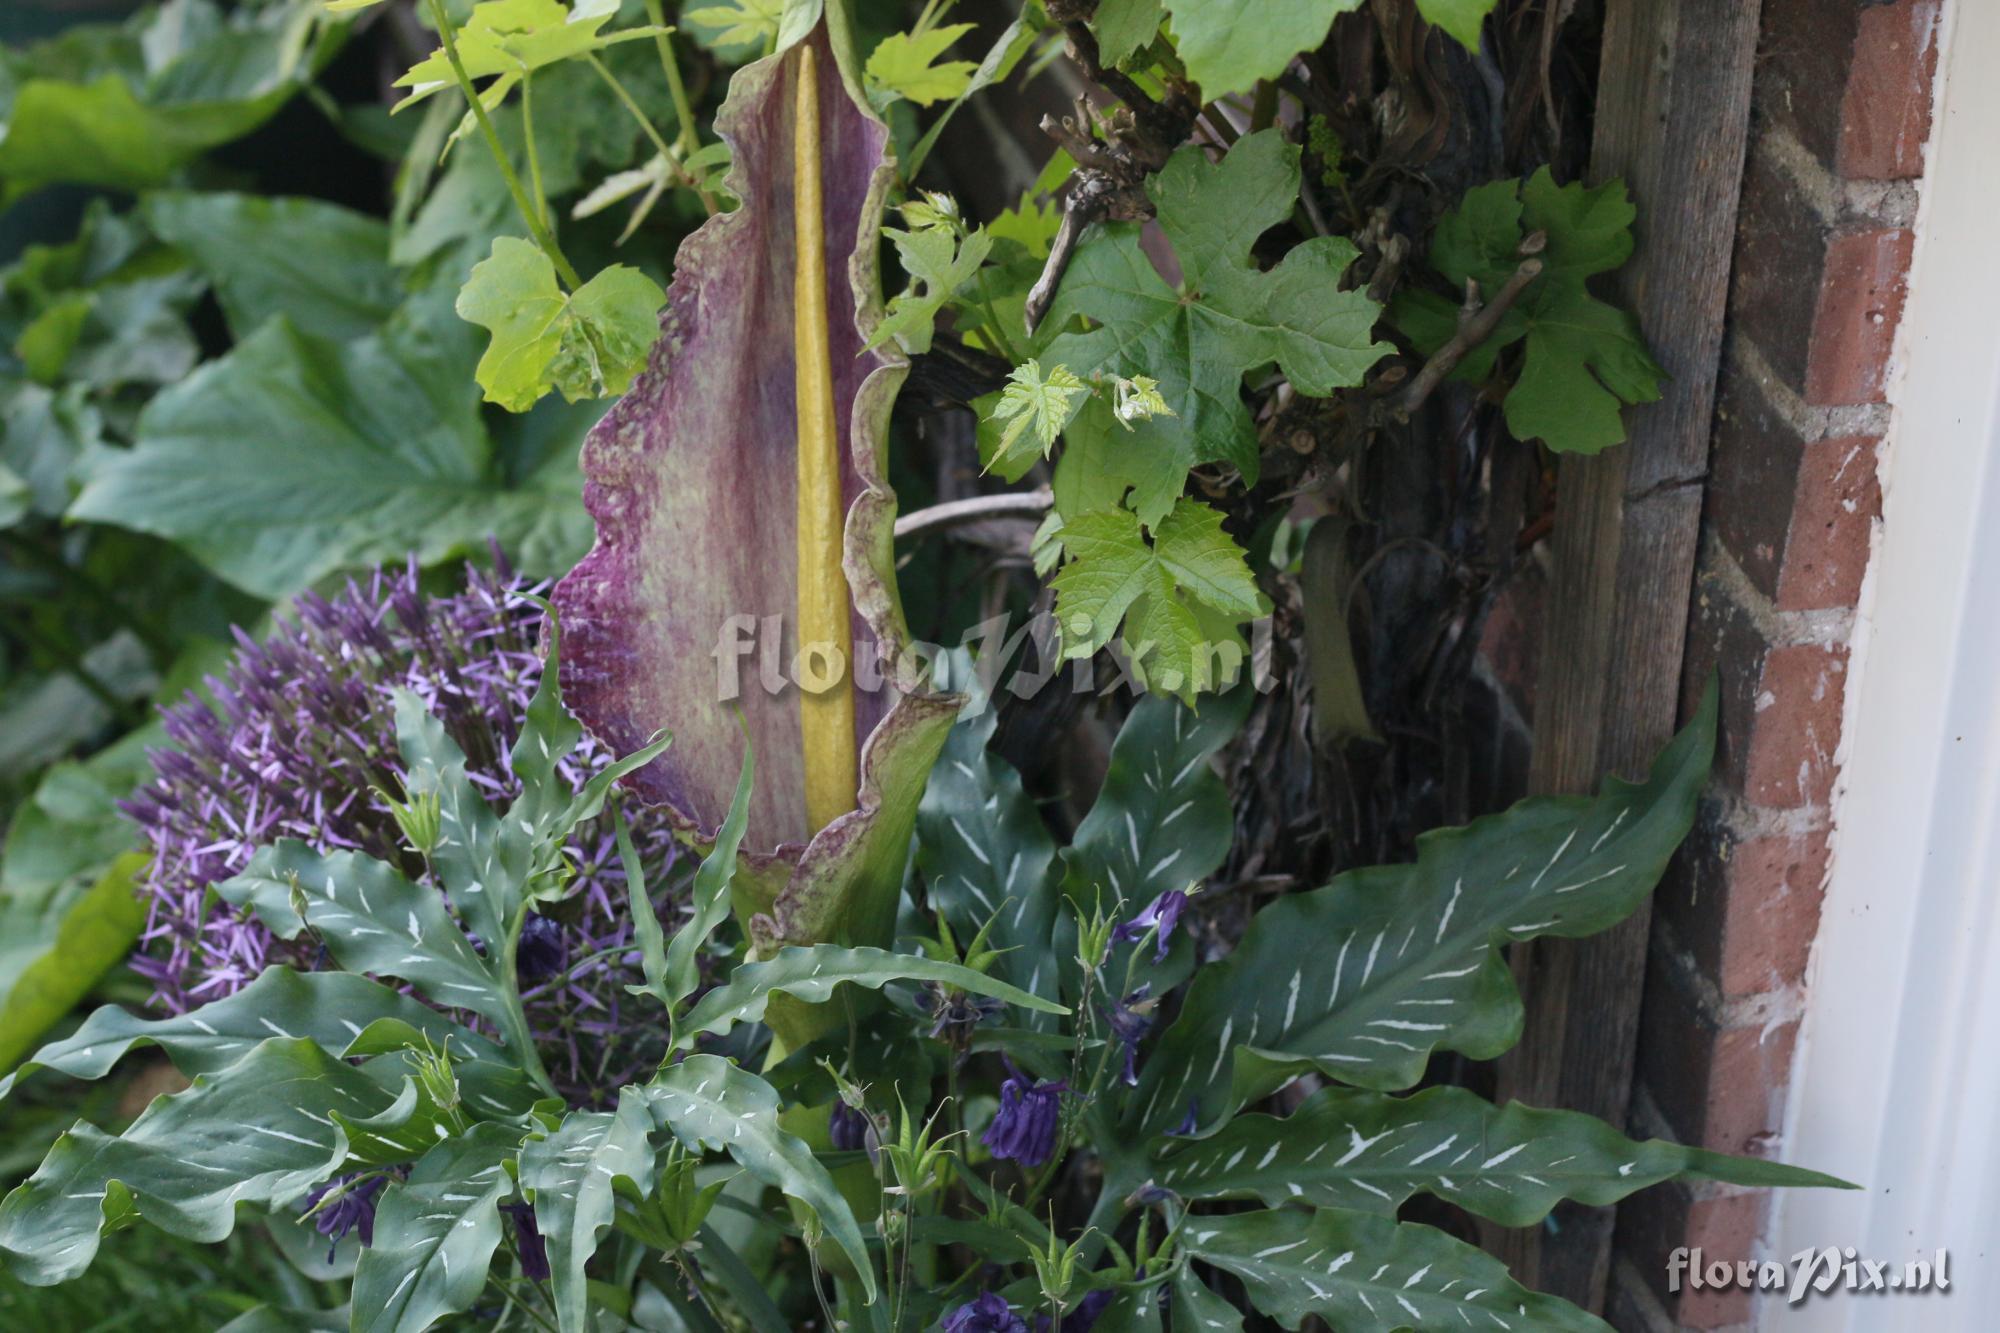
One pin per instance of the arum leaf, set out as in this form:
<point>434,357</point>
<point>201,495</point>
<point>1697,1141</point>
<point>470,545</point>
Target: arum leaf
<point>257,1132</point>
<point>1361,1150</point>
<point>1226,318</point>
<point>709,1104</point>
<point>571,1174</point>
<point>987,856</point>
<point>372,919</point>
<point>680,973</point>
<point>435,1234</point>
<point>809,974</point>
<point>1363,979</point>
<point>468,851</point>
<point>1360,1271</point>
<point>705,406</point>
<point>330,1009</point>
<point>904,65</point>
<point>1199,1310</point>
<point>325,268</point>
<point>401,1131</point>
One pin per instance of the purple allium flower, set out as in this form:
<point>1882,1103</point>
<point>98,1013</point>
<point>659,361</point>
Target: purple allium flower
<point>1082,1317</point>
<point>1024,1128</point>
<point>847,1127</point>
<point>1130,1020</point>
<point>542,951</point>
<point>300,739</point>
<point>985,1313</point>
<point>353,1209</point>
<point>1164,912</point>
<point>528,1240</point>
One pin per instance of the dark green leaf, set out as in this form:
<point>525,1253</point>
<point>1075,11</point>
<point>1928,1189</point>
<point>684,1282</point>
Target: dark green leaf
<point>570,1174</point>
<point>435,1234</point>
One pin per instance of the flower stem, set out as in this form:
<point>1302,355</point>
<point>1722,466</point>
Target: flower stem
<point>826,716</point>
<point>667,154</point>
<point>663,40</point>
<point>536,227</point>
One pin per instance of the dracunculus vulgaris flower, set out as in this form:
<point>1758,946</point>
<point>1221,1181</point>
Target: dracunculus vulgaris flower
<point>739,487</point>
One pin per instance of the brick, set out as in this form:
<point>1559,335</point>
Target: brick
<point>1861,291</point>
<point>1775,272</point>
<point>1754,466</point>
<point>1654,1223</point>
<point>1721,1088</point>
<point>1803,51</point>
<point>1833,515</point>
<point>1744,911</point>
<point>1789,760</point>
<point>1885,112</point>
<point>1724,645</point>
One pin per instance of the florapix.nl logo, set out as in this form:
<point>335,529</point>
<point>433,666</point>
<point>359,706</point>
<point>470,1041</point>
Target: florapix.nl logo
<point>1812,1272</point>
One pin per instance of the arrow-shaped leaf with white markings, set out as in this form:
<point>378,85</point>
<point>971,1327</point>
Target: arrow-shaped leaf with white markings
<point>710,1104</point>
<point>1199,1310</point>
<point>260,1132</point>
<point>809,973</point>
<point>330,1008</point>
<point>571,1174</point>
<point>435,1234</point>
<point>1363,979</point>
<point>1362,1150</point>
<point>468,855</point>
<point>373,919</point>
<point>986,855</point>
<point>1356,1270</point>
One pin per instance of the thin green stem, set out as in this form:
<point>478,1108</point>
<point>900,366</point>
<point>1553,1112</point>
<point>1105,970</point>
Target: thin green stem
<point>667,154</point>
<point>541,197</point>
<point>663,41</point>
<point>543,237</point>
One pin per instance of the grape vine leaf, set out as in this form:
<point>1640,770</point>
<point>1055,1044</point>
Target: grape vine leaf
<point>588,344</point>
<point>1231,45</point>
<point>1227,317</point>
<point>512,39</point>
<point>1124,27</point>
<point>1158,592</point>
<point>905,65</point>
<point>938,263</point>
<point>1032,399</point>
<point>1582,358</point>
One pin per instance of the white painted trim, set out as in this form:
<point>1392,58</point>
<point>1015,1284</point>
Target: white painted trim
<point>1897,1079</point>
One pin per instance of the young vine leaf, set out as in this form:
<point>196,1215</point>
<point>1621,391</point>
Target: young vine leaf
<point>905,65</point>
<point>1231,45</point>
<point>939,261</point>
<point>1227,316</point>
<point>1158,591</point>
<point>588,344</point>
<point>1032,399</point>
<point>741,22</point>
<point>511,39</point>
<point>1582,358</point>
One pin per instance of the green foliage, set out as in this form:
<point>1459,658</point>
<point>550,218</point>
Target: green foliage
<point>1229,46</point>
<point>588,344</point>
<point>508,40</point>
<point>906,65</point>
<point>573,1174</point>
<point>93,934</point>
<point>1033,400</point>
<point>435,1234</point>
<point>940,256</point>
<point>1581,358</point>
<point>1176,599</point>
<point>1226,317</point>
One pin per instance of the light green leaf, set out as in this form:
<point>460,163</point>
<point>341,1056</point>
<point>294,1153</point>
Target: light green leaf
<point>709,1104</point>
<point>1032,400</point>
<point>94,936</point>
<point>570,1174</point>
<point>325,268</point>
<point>589,344</point>
<point>1461,18</point>
<point>938,262</point>
<point>904,65</point>
<point>1362,1150</point>
<point>258,1132</point>
<point>372,919</point>
<point>292,457</point>
<point>435,1234</point>
<point>1583,358</point>
<point>1124,28</point>
<point>741,22</point>
<point>1112,571</point>
<point>1231,45</point>
<point>808,973</point>
<point>512,39</point>
<point>1363,979</point>
<point>1356,1270</point>
<point>1226,318</point>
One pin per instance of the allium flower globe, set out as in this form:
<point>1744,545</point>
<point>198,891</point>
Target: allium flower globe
<point>300,742</point>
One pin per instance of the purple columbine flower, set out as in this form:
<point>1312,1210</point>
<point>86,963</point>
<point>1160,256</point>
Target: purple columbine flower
<point>1024,1128</point>
<point>984,1313</point>
<point>955,1013</point>
<point>1164,912</point>
<point>1130,1020</point>
<point>847,1127</point>
<point>542,951</point>
<point>301,736</point>
<point>528,1240</point>
<point>353,1209</point>
<point>1189,1123</point>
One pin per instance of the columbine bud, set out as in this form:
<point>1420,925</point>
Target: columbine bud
<point>419,816</point>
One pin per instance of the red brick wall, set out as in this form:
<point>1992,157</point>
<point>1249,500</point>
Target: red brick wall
<point>1840,114</point>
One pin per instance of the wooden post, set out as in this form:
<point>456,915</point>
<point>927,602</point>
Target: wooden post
<point>1672,118</point>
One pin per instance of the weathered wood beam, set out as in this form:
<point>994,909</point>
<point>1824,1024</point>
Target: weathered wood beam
<point>1672,118</point>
